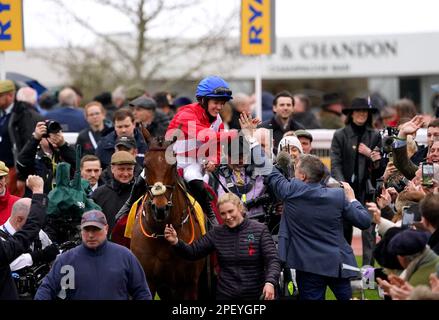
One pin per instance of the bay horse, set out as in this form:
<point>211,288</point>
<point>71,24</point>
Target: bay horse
<point>165,202</point>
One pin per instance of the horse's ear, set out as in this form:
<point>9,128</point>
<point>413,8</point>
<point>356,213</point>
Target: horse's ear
<point>146,135</point>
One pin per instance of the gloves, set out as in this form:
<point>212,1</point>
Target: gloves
<point>46,255</point>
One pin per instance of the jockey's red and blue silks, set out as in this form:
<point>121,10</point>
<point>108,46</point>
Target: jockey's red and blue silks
<point>201,138</point>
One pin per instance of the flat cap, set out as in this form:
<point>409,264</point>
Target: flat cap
<point>6,86</point>
<point>408,242</point>
<point>122,157</point>
<point>144,102</point>
<point>303,133</point>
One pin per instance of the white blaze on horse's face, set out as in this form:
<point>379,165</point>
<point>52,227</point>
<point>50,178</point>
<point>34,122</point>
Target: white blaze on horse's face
<point>230,214</point>
<point>158,189</point>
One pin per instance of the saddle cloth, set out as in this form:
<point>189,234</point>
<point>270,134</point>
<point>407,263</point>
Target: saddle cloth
<point>132,216</point>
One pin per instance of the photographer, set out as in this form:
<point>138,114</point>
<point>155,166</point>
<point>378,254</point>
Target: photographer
<point>34,263</point>
<point>17,244</point>
<point>43,152</point>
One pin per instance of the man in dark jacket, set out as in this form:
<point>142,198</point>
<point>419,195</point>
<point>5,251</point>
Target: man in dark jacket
<point>17,122</point>
<point>303,113</point>
<point>41,153</point>
<point>282,121</point>
<point>146,114</point>
<point>127,144</point>
<point>96,270</point>
<point>124,125</point>
<point>17,244</point>
<point>311,229</point>
<point>112,196</point>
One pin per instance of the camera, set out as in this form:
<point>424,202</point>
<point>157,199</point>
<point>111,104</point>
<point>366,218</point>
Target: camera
<point>52,127</point>
<point>388,137</point>
<point>399,182</point>
<point>256,202</point>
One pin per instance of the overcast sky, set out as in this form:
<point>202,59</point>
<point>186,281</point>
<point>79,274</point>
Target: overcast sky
<point>46,25</point>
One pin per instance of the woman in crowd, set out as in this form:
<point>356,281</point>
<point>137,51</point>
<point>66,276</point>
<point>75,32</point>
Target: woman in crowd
<point>248,259</point>
<point>354,160</point>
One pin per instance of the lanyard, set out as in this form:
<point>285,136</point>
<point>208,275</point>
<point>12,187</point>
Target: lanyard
<point>92,139</point>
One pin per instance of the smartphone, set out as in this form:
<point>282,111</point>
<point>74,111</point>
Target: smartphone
<point>408,217</point>
<point>427,174</point>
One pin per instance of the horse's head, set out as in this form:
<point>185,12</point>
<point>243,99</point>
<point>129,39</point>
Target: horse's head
<point>160,176</point>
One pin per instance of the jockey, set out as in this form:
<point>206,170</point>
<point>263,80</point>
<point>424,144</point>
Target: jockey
<point>199,129</point>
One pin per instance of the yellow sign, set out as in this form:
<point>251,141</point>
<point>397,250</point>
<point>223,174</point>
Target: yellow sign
<point>11,25</point>
<point>257,27</point>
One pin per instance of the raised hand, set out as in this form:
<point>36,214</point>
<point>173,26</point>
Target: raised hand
<point>411,126</point>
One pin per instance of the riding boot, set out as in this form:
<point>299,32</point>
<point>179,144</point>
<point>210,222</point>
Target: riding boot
<point>138,189</point>
<point>203,197</point>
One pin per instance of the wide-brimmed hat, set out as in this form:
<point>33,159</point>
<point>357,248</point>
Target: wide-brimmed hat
<point>360,104</point>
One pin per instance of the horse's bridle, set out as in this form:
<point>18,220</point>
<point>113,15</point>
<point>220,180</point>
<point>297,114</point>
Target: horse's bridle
<point>158,189</point>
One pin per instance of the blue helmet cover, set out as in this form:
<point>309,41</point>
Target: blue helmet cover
<point>214,87</point>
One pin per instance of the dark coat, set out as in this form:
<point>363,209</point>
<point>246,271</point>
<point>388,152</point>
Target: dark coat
<point>85,142</point>
<point>343,151</point>
<point>307,119</point>
<point>311,230</point>
<point>247,258</point>
<point>32,160</point>
<point>111,197</point>
<point>278,131</point>
<point>16,129</point>
<point>19,244</point>
<point>106,148</point>
<point>159,125</point>
<point>22,124</point>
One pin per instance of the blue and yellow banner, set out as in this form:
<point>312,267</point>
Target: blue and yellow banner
<point>257,27</point>
<point>11,25</point>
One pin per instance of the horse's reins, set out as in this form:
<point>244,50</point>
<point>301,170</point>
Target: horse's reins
<point>155,235</point>
<point>185,220</point>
